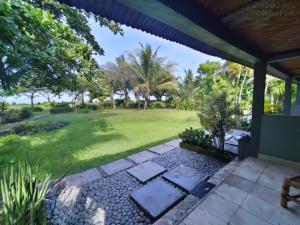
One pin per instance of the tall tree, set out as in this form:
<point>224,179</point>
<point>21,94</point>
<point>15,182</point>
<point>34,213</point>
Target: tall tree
<point>149,67</point>
<point>120,77</point>
<point>46,43</point>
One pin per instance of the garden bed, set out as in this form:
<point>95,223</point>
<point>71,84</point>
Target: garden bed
<point>222,156</point>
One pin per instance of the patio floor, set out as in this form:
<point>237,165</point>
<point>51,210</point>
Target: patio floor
<point>249,195</point>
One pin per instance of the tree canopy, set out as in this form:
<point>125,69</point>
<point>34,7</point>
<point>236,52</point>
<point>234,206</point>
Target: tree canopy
<point>46,44</point>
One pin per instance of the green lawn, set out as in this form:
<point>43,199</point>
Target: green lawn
<point>96,138</point>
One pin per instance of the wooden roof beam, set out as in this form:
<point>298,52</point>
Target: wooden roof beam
<point>284,56</point>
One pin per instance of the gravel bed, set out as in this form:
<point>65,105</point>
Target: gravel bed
<point>106,201</point>
<point>174,158</point>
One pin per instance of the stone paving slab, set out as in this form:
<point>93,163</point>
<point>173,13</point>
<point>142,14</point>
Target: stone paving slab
<point>141,157</point>
<point>178,213</point>
<point>174,143</point>
<point>146,171</point>
<point>83,178</point>
<point>157,197</point>
<point>185,177</point>
<point>116,166</point>
<point>161,149</point>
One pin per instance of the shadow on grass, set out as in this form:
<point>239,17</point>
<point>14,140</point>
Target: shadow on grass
<point>59,151</point>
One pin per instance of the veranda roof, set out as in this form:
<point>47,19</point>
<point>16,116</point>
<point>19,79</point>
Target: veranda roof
<point>243,31</point>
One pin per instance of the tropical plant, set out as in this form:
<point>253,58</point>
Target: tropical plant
<point>23,195</point>
<point>215,115</point>
<point>120,77</point>
<point>150,68</point>
<point>196,137</point>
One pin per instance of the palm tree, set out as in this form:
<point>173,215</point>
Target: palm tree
<point>120,78</point>
<point>149,68</point>
<point>188,86</point>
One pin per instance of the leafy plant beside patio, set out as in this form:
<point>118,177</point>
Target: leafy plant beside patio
<point>215,116</point>
<point>196,137</point>
<point>23,195</point>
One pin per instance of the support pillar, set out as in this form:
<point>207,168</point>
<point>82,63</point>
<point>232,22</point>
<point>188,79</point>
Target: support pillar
<point>298,94</point>
<point>257,106</point>
<point>287,96</point>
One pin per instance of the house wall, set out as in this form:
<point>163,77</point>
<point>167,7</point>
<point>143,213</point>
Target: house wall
<point>295,110</point>
<point>280,137</point>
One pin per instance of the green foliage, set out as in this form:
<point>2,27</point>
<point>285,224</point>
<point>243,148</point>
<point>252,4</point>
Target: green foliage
<point>157,105</point>
<point>34,109</point>
<point>106,105</point>
<point>23,195</point>
<point>9,139</point>
<point>32,38</point>
<point>25,113</point>
<point>196,137</point>
<point>34,127</point>
<point>183,104</point>
<point>209,67</point>
<point>272,108</point>
<point>153,72</point>
<point>215,115</point>
<point>13,116</point>
<point>91,139</point>
<point>88,106</point>
<point>245,124</point>
<point>3,106</point>
<point>10,116</point>
<point>61,108</point>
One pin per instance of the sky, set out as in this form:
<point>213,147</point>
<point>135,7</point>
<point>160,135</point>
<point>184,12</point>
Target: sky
<point>115,45</point>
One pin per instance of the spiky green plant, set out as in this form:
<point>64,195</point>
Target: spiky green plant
<point>23,195</point>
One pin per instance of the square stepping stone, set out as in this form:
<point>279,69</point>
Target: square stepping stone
<point>174,143</point>
<point>157,197</point>
<point>116,166</point>
<point>185,177</point>
<point>146,171</point>
<point>141,156</point>
<point>161,149</point>
<point>83,178</point>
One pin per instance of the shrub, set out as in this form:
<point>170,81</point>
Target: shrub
<point>87,106</point>
<point>215,115</point>
<point>34,109</point>
<point>10,116</point>
<point>272,108</point>
<point>196,137</point>
<point>157,105</point>
<point>61,108</point>
<point>33,128</point>
<point>245,124</point>
<point>23,195</point>
<point>25,113</point>
<point>3,106</point>
<point>107,105</point>
<point>37,109</point>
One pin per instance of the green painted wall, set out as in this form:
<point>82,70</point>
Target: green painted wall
<point>280,137</point>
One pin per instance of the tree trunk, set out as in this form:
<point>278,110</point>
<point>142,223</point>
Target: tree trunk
<point>113,100</point>
<point>126,98</point>
<point>146,100</point>
<point>31,99</point>
<point>241,90</point>
<point>3,75</point>
<point>82,98</point>
<point>137,99</point>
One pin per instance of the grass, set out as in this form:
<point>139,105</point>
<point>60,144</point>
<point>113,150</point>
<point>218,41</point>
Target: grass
<point>94,139</point>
